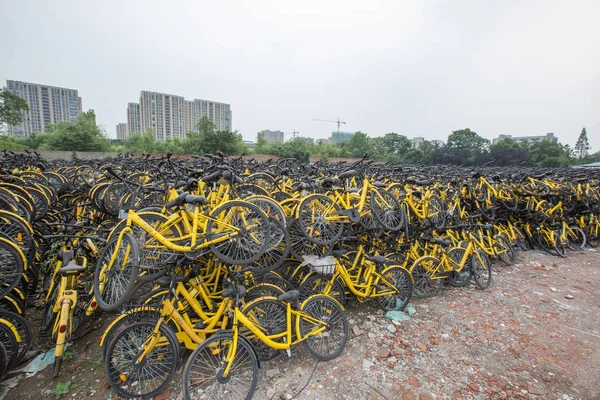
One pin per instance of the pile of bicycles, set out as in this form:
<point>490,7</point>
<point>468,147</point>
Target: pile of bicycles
<point>239,261</point>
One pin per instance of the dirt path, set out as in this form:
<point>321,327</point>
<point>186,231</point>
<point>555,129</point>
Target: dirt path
<point>534,334</point>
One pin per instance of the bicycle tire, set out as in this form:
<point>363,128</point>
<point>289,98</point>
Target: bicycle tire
<point>318,230</point>
<point>125,376</point>
<point>482,269</point>
<point>248,245</point>
<point>12,264</point>
<point>270,315</point>
<point>123,287</point>
<point>24,330</point>
<point>403,282</point>
<point>326,309</point>
<point>577,241</point>
<point>389,214</point>
<point>215,348</point>
<point>424,286</point>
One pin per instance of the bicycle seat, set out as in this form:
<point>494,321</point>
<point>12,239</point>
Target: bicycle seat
<point>212,177</point>
<point>71,269</point>
<point>66,256</point>
<point>232,290</point>
<point>378,259</point>
<point>353,190</point>
<point>191,199</point>
<point>179,184</point>
<point>290,296</point>
<point>487,226</point>
<point>348,174</point>
<point>330,181</point>
<point>165,281</point>
<point>379,184</point>
<point>441,241</point>
<point>177,201</point>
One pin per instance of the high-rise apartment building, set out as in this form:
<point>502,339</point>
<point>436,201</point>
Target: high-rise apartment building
<point>341,137</point>
<point>527,139</point>
<point>122,131</point>
<point>171,116</point>
<point>134,118</point>
<point>47,105</point>
<point>273,136</point>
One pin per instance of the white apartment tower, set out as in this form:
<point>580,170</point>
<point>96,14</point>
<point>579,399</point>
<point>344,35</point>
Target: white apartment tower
<point>171,116</point>
<point>122,131</point>
<point>47,105</point>
<point>134,118</point>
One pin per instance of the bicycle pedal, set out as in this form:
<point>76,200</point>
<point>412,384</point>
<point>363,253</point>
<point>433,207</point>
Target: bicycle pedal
<point>199,325</point>
<point>288,352</point>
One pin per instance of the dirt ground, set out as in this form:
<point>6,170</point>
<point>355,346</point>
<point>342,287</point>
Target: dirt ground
<point>534,334</point>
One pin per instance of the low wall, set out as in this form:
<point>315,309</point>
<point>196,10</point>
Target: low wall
<point>51,155</point>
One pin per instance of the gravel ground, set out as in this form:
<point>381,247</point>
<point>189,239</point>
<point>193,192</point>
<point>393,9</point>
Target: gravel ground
<point>534,334</point>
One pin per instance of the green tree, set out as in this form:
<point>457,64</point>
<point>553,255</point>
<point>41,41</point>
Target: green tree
<point>358,145</point>
<point>583,145</point>
<point>391,147</point>
<point>83,135</point>
<point>297,148</point>
<point>549,154</point>
<point>464,147</point>
<point>262,144</point>
<point>509,152</point>
<point>11,108</point>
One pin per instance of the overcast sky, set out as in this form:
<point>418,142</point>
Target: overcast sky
<point>419,68</point>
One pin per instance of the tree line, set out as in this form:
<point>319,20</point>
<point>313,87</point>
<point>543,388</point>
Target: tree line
<point>463,147</point>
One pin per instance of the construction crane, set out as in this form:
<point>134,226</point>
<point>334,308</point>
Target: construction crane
<point>338,122</point>
<point>294,134</point>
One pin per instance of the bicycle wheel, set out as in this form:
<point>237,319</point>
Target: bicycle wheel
<point>575,238</point>
<point>482,269</point>
<point>299,246</point>
<point>463,277</point>
<point>3,361</point>
<point>314,213</point>
<point>149,377</point>
<point>270,316</point>
<point>435,213</point>
<point>145,314</point>
<point>9,341</point>
<point>401,279</point>
<point>203,374</point>
<point>330,343</point>
<point>246,228</point>
<point>12,263</point>
<point>421,271</point>
<point>23,329</point>
<point>315,284</point>
<point>387,210</point>
<point>277,250</point>
<point>507,252</point>
<point>116,270</point>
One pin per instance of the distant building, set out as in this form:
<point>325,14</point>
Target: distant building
<point>122,132</point>
<point>251,145</point>
<point>171,116</point>
<point>273,136</point>
<point>134,118</point>
<point>527,139</point>
<point>324,141</point>
<point>416,142</point>
<point>47,105</point>
<point>341,137</point>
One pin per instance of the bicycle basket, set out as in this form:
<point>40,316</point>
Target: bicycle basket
<point>323,266</point>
